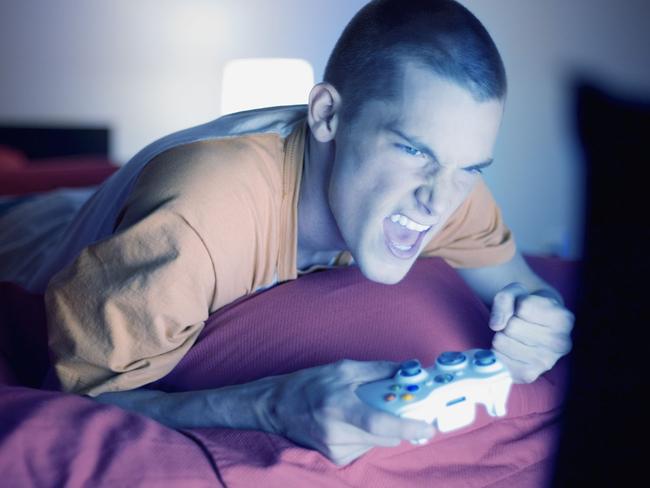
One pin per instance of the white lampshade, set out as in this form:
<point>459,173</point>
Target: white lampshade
<point>265,82</point>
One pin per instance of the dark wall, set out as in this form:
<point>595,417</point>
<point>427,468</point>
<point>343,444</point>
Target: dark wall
<point>606,414</point>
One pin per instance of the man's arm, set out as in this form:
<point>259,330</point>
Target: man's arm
<point>533,328</point>
<point>314,407</point>
<point>236,407</point>
<point>488,281</point>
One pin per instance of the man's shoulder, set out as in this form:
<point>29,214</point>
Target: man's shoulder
<point>228,174</point>
<point>216,163</point>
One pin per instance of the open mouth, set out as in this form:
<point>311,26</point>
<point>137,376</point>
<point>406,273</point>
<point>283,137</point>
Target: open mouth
<point>403,236</point>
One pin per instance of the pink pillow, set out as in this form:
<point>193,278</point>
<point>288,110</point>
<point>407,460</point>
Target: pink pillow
<point>327,316</point>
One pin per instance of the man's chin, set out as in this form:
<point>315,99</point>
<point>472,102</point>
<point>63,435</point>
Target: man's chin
<point>382,273</point>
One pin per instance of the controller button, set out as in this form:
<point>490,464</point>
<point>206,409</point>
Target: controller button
<point>395,387</point>
<point>407,397</point>
<point>443,378</point>
<point>390,397</point>
<point>484,357</point>
<point>451,358</point>
<point>410,368</point>
<point>412,387</point>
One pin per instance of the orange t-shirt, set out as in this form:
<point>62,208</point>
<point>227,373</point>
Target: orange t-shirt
<point>204,225</point>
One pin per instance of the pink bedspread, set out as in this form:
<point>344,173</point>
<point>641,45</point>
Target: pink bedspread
<point>49,438</point>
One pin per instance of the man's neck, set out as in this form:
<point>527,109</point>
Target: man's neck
<point>318,235</point>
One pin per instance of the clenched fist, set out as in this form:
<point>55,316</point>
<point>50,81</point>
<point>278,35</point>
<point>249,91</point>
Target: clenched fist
<point>533,331</point>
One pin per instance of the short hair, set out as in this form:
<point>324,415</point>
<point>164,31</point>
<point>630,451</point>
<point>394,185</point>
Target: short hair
<point>441,35</point>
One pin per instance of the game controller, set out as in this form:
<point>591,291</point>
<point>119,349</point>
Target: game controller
<point>447,392</point>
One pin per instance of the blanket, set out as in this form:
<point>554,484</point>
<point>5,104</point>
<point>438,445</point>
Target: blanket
<point>49,438</point>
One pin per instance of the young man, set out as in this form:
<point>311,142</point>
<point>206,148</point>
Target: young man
<point>381,167</point>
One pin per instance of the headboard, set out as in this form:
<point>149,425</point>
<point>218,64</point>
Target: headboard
<point>40,141</point>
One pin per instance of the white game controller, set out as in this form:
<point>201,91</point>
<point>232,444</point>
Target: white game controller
<point>447,392</point>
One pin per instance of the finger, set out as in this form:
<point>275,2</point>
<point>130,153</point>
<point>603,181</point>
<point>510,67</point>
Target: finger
<point>546,312</point>
<point>521,372</point>
<point>341,433</point>
<point>365,371</point>
<point>536,335</point>
<point>383,424</point>
<point>511,363</point>
<point>550,295</point>
<point>537,358</point>
<point>503,305</point>
<point>342,456</point>
<point>512,348</point>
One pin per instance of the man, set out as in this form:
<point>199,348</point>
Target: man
<point>381,167</point>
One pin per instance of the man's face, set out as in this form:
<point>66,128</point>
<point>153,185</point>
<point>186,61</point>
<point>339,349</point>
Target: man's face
<point>402,167</point>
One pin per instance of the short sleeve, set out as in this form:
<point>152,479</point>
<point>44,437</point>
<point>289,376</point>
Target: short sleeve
<point>128,308</point>
<point>475,235</point>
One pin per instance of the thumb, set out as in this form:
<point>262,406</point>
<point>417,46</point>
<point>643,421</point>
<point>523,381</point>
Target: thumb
<point>367,371</point>
<point>503,305</point>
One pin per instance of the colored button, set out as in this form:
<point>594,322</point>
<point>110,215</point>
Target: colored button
<point>443,378</point>
<point>484,357</point>
<point>412,387</point>
<point>407,397</point>
<point>395,388</point>
<point>390,397</point>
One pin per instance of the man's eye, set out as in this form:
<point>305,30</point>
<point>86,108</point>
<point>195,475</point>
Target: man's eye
<point>410,150</point>
<point>476,171</point>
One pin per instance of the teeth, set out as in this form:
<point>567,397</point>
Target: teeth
<point>404,221</point>
<point>402,248</point>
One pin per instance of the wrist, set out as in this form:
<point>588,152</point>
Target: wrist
<point>266,405</point>
<point>551,293</point>
<point>249,406</point>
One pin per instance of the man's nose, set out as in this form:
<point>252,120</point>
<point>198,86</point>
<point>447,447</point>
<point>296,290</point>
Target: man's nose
<point>424,197</point>
<point>427,201</point>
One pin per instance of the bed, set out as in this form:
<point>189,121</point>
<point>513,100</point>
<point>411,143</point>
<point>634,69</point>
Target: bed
<point>49,438</point>
<point>36,158</point>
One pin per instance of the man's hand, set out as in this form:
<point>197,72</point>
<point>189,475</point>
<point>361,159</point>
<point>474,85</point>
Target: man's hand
<point>318,408</point>
<point>533,331</point>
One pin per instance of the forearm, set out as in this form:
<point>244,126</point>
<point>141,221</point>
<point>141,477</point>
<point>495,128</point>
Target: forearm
<point>488,281</point>
<point>246,406</point>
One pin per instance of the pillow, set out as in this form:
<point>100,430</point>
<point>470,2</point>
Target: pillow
<point>11,159</point>
<point>316,319</point>
<point>329,315</point>
<point>276,331</point>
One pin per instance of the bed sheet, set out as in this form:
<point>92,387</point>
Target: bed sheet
<point>49,438</point>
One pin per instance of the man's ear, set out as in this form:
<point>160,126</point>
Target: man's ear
<point>323,111</point>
